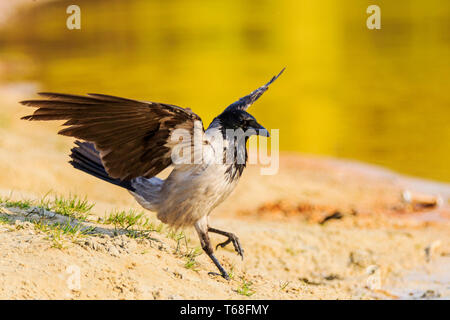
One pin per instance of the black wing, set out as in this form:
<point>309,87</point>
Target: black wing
<point>244,102</point>
<point>132,137</point>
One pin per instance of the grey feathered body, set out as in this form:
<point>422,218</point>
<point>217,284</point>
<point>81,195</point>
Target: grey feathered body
<point>191,191</point>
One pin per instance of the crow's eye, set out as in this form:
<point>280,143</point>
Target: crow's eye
<point>249,123</point>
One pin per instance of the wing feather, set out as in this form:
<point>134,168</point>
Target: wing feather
<point>245,102</point>
<point>131,136</point>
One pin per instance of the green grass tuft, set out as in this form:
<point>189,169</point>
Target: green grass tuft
<point>127,220</point>
<point>21,204</point>
<point>73,206</point>
<point>134,223</point>
<point>190,256</point>
<point>58,233</point>
<point>246,289</point>
<point>4,219</point>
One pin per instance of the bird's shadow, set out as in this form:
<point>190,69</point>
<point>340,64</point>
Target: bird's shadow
<point>37,215</point>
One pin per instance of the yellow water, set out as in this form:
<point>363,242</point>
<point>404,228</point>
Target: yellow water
<point>381,96</point>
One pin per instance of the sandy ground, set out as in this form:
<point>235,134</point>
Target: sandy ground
<point>376,247</point>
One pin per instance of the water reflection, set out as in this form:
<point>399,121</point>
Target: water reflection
<point>378,96</point>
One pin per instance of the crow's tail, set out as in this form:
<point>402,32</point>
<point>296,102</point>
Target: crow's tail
<point>87,159</point>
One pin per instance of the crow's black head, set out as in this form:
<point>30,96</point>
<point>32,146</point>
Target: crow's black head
<point>240,119</point>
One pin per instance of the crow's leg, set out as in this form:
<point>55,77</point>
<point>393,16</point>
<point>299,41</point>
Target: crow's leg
<point>231,238</point>
<point>201,227</point>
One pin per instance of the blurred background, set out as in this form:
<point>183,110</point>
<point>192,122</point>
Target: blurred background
<point>379,96</point>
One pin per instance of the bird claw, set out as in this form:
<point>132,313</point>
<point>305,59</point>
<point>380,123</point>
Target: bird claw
<point>223,275</point>
<point>237,245</point>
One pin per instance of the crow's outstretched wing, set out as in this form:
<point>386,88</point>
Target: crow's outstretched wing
<point>133,137</point>
<point>244,102</point>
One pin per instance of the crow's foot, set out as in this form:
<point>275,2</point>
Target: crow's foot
<point>231,238</point>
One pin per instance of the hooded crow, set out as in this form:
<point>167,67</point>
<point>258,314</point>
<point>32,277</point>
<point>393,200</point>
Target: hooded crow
<point>128,142</point>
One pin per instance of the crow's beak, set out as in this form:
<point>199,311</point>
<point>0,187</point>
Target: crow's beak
<point>261,131</point>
